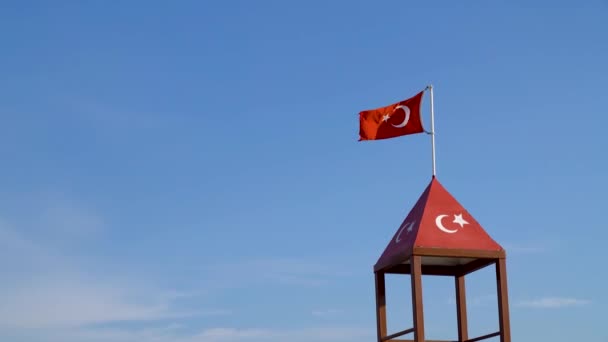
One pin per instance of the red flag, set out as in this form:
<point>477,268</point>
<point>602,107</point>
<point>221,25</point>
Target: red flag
<point>397,119</point>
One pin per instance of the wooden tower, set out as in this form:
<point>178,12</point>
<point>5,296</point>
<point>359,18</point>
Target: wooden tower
<point>439,237</point>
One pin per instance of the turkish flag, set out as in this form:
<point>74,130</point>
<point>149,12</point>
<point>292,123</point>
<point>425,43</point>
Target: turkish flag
<point>397,119</point>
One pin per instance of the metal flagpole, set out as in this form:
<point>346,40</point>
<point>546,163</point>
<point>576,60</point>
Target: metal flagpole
<point>432,132</point>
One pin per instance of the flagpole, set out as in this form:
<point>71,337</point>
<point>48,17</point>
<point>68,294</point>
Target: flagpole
<point>432,133</point>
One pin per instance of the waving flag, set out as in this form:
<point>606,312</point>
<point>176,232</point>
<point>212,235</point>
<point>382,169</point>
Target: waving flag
<point>397,119</point>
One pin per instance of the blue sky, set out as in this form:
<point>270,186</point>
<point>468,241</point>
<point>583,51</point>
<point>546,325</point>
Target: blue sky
<point>190,171</point>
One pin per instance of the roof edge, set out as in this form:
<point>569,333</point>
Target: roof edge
<point>397,259</point>
<point>460,253</point>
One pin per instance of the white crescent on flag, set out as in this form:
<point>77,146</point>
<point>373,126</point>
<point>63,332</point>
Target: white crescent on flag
<point>406,110</point>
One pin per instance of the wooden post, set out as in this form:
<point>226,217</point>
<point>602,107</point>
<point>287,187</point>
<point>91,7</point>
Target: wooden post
<point>503,301</point>
<point>461,309</point>
<point>380,305</point>
<point>416,271</point>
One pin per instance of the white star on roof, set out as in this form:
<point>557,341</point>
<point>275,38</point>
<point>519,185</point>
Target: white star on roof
<point>458,219</point>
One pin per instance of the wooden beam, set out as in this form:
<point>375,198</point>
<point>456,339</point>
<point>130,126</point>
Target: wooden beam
<point>398,269</point>
<point>380,306</point>
<point>459,253</point>
<point>439,270</point>
<point>475,265</point>
<point>417,307</point>
<point>424,341</point>
<point>401,333</point>
<point>483,337</point>
<point>503,301</point>
<point>426,270</point>
<point>461,309</point>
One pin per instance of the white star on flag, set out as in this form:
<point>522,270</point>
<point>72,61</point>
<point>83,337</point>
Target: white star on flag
<point>458,219</point>
<point>385,117</point>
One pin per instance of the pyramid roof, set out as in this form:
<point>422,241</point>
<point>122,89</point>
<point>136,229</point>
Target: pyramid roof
<point>439,227</point>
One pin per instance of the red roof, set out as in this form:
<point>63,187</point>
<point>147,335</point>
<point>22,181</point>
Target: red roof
<point>436,222</point>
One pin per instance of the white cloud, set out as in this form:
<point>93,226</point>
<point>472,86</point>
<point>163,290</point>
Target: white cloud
<point>231,334</point>
<point>263,335</point>
<point>74,302</point>
<point>286,271</point>
<point>42,289</point>
<point>173,332</point>
<point>477,300</point>
<point>52,215</point>
<point>326,313</point>
<point>552,302</point>
<point>48,295</point>
<point>227,334</point>
<point>12,242</point>
<point>161,333</point>
<point>68,217</point>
